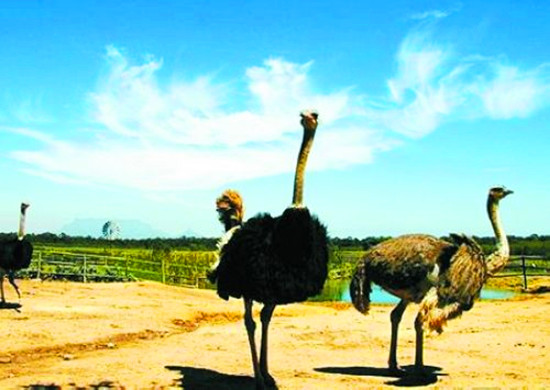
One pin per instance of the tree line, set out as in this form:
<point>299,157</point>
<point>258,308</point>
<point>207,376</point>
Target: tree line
<point>534,244</point>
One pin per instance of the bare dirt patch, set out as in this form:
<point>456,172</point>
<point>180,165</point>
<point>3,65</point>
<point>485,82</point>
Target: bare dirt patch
<point>146,335</point>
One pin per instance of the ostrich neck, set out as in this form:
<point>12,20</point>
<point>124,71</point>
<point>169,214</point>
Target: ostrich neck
<point>307,142</point>
<point>230,222</point>
<point>498,259</point>
<point>21,233</point>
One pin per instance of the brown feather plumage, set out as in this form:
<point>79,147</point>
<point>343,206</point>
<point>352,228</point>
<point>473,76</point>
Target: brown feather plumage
<point>445,277</point>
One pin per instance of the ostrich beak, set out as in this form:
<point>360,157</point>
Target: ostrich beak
<point>309,114</point>
<point>309,119</point>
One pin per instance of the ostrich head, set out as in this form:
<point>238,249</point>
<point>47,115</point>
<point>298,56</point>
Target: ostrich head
<point>230,208</point>
<point>497,193</point>
<point>309,120</point>
<point>22,217</point>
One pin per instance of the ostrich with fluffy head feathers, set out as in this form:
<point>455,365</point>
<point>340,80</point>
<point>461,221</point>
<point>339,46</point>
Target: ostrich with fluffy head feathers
<point>443,277</point>
<point>15,254</point>
<point>230,213</point>
<point>273,260</point>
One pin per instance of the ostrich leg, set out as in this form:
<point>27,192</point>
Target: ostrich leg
<point>265,317</point>
<point>11,279</point>
<point>419,361</point>
<point>2,289</point>
<point>250,329</point>
<point>395,316</point>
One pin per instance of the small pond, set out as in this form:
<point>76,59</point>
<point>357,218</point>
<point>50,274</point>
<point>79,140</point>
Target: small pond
<point>338,290</point>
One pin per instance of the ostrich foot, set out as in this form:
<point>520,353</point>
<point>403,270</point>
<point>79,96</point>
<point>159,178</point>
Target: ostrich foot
<point>420,371</point>
<point>265,381</point>
<point>260,384</point>
<point>395,369</point>
<point>269,381</point>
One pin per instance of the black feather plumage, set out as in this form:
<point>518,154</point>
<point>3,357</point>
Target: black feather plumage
<point>275,260</point>
<point>15,254</point>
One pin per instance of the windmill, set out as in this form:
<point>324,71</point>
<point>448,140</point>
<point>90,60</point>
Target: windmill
<point>111,230</point>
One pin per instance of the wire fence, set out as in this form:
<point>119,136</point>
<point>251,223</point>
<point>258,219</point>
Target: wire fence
<point>189,268</point>
<point>525,266</point>
<point>184,268</point>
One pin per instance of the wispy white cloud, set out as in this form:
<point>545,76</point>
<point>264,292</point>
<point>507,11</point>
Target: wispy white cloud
<point>515,93</point>
<point>435,14</point>
<point>164,138</point>
<point>183,135</point>
<point>433,84</point>
<point>28,111</point>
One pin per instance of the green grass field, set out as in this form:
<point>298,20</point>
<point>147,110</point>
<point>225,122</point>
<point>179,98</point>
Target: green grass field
<point>189,267</point>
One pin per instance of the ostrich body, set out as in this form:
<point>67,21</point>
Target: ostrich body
<point>444,277</point>
<point>15,254</point>
<point>275,260</point>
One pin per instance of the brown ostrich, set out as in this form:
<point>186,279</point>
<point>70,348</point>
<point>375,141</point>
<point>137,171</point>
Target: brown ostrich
<point>15,254</point>
<point>230,209</point>
<point>230,213</point>
<point>274,260</point>
<point>443,277</point>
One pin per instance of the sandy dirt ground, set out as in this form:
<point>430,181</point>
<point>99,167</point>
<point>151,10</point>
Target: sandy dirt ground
<point>149,336</point>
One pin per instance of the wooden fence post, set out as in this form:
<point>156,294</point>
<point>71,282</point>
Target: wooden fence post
<point>39,265</point>
<point>126,265</point>
<point>163,270</point>
<point>85,270</point>
<point>524,270</point>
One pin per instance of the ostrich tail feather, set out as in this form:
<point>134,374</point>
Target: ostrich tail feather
<point>433,316</point>
<point>360,289</point>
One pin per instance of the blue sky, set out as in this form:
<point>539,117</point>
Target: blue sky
<point>148,110</point>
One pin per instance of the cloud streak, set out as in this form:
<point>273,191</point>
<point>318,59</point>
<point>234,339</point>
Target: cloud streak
<point>188,135</point>
<point>434,85</point>
<point>182,136</point>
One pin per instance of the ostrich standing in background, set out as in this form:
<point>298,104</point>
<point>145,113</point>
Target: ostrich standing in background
<point>230,213</point>
<point>444,277</point>
<point>15,254</point>
<point>275,260</point>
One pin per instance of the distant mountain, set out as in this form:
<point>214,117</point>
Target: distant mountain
<point>190,233</point>
<point>129,228</point>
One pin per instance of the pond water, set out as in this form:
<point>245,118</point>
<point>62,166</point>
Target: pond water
<point>338,290</point>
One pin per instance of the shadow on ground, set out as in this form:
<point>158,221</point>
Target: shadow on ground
<point>193,378</point>
<point>10,306</point>
<point>407,378</point>
<point>103,385</point>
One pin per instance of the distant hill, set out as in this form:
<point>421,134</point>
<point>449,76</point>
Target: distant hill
<point>129,228</point>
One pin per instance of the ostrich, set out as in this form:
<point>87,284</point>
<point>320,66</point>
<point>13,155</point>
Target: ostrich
<point>275,260</point>
<point>444,277</point>
<point>230,213</point>
<point>15,254</point>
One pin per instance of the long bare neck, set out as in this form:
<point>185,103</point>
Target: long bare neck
<point>22,218</point>
<point>307,142</point>
<point>499,258</point>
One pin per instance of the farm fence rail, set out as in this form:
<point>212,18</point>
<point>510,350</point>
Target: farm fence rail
<point>189,268</point>
<point>186,268</point>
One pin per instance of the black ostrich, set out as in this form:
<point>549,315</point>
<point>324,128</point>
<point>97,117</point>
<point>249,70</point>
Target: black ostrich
<point>275,260</point>
<point>444,277</point>
<point>15,254</point>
